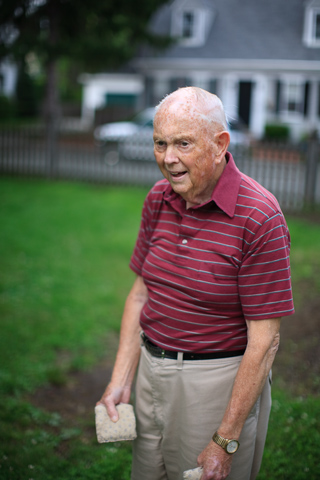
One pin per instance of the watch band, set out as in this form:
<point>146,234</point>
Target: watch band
<point>223,442</point>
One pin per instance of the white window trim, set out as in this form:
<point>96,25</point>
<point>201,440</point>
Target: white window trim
<point>202,23</point>
<point>309,34</point>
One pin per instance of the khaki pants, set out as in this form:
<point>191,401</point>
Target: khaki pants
<point>179,405</point>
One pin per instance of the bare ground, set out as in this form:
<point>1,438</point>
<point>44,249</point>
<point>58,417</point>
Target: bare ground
<point>297,366</point>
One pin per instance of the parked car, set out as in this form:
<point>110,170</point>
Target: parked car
<point>118,131</point>
<point>127,140</point>
<point>133,140</point>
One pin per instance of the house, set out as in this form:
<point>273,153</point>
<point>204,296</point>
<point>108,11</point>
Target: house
<point>262,58</point>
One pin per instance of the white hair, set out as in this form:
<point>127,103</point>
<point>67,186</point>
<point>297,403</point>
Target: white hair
<point>208,106</point>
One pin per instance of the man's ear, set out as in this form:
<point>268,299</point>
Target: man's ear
<point>222,140</point>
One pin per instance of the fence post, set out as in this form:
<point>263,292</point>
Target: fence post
<point>311,172</point>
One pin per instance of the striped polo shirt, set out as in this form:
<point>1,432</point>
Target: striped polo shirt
<point>210,268</point>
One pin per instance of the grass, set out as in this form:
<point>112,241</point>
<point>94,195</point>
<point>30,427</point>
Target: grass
<point>64,275</point>
<point>35,449</point>
<point>293,435</point>
<point>305,256</point>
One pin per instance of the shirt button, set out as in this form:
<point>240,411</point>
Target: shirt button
<point>184,241</point>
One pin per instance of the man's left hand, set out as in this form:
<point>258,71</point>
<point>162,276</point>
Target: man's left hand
<point>216,463</point>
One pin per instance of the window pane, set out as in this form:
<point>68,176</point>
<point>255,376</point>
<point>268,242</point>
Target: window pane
<point>188,25</point>
<point>317,26</point>
<point>293,97</point>
<point>292,106</point>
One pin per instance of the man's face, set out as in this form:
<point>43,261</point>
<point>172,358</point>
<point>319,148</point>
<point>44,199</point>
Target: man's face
<point>185,150</point>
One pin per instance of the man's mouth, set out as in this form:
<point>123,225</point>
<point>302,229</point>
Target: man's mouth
<point>177,174</point>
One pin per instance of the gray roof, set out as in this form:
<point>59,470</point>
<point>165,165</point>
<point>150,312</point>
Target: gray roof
<point>244,29</point>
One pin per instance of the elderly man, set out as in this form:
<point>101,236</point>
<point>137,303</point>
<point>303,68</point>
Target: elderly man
<point>213,281</point>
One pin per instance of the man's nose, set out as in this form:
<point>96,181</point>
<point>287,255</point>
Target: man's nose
<point>171,155</point>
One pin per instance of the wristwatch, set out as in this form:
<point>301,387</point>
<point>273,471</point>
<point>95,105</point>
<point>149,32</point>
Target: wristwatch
<point>230,446</point>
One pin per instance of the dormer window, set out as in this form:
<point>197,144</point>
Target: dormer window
<point>191,22</point>
<point>311,34</point>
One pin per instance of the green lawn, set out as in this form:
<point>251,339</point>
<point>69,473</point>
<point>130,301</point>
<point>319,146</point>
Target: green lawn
<point>64,275</point>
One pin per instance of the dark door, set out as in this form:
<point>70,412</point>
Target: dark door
<point>244,101</point>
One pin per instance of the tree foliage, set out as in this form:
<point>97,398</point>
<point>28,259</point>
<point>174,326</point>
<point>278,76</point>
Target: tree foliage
<point>97,34</point>
<point>100,34</point>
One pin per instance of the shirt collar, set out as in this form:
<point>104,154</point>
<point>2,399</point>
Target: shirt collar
<point>225,193</point>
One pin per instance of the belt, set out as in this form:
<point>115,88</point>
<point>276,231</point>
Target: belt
<point>161,353</point>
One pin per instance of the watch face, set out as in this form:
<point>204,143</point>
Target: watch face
<point>232,446</point>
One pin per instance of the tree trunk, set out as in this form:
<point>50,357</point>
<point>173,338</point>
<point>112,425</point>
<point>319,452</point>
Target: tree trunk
<point>52,104</point>
<point>52,119</point>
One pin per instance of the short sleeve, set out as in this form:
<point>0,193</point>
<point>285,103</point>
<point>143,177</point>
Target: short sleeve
<point>264,277</point>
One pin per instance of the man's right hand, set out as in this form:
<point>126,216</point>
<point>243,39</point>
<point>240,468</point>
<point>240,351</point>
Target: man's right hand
<point>112,396</point>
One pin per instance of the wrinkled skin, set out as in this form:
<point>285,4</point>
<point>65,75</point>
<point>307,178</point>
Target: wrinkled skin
<point>215,461</point>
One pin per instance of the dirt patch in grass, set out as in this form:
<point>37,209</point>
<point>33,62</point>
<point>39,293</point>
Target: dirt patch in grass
<point>74,401</point>
<point>75,397</point>
<point>78,396</point>
<point>297,366</point>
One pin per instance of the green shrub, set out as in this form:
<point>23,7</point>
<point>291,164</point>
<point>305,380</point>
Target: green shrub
<point>276,132</point>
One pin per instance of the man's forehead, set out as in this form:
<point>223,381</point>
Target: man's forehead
<point>178,111</point>
<point>179,101</point>
<point>179,119</point>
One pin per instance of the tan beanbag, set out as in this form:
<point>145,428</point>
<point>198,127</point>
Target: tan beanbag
<point>123,429</point>
<point>194,474</point>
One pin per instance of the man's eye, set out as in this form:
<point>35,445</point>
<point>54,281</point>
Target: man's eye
<point>184,144</point>
<point>160,144</point>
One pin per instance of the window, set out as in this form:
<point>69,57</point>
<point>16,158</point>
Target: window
<point>317,26</point>
<point>188,25</point>
<point>126,99</point>
<point>191,22</point>
<point>311,34</point>
<point>292,98</point>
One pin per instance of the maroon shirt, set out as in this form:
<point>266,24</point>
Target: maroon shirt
<point>210,268</point>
